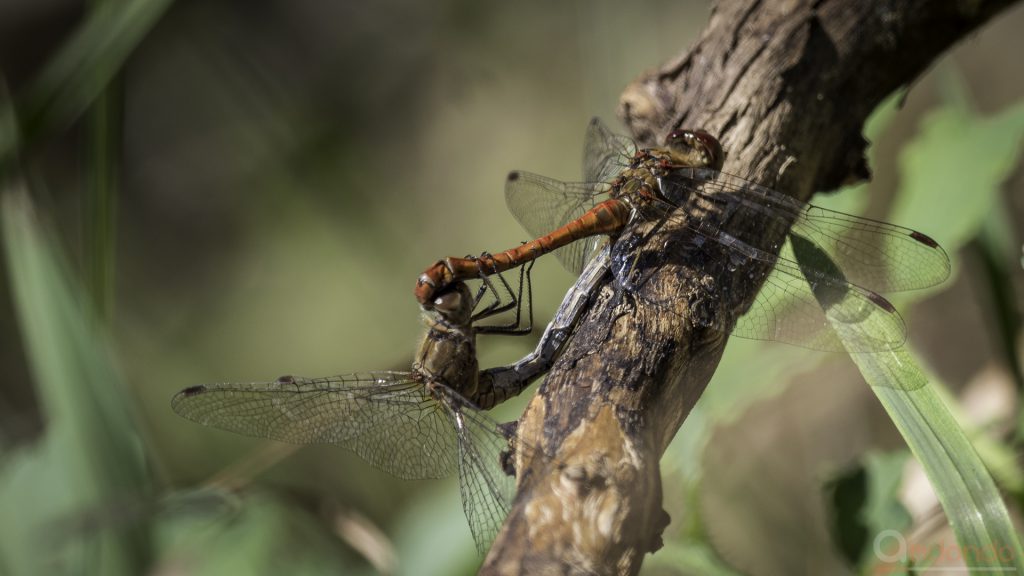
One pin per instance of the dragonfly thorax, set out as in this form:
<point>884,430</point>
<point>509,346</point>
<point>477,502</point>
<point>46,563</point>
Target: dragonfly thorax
<point>447,355</point>
<point>639,182</point>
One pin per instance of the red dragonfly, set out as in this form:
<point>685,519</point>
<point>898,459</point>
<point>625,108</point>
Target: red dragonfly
<point>424,423</point>
<point>831,268</point>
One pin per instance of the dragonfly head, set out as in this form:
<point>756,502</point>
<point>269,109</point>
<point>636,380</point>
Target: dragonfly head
<point>695,148</point>
<point>454,304</point>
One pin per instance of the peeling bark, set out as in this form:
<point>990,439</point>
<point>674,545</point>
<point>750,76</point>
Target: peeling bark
<point>786,86</point>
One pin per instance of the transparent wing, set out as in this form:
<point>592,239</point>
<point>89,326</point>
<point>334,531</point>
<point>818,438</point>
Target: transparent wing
<point>486,488</point>
<point>789,309</point>
<point>795,303</point>
<point>542,205</point>
<point>872,254</point>
<point>605,154</point>
<point>388,418</point>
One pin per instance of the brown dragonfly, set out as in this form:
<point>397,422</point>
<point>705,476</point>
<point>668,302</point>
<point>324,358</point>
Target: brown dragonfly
<point>424,423</point>
<point>831,267</point>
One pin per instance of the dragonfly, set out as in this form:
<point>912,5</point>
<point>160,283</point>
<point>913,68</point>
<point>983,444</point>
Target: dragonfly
<point>829,267</point>
<point>427,422</point>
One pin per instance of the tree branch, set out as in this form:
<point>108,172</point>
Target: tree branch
<point>787,87</point>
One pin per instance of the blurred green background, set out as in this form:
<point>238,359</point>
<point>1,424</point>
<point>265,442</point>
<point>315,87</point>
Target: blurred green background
<point>257,190</point>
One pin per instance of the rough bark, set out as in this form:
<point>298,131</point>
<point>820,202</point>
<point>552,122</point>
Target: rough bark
<point>787,87</point>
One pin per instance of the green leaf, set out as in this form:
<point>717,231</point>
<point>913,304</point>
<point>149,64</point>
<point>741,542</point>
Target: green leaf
<point>885,474</point>
<point>864,501</point>
<point>953,169</point>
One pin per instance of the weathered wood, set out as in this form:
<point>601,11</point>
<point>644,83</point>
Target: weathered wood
<point>787,87</point>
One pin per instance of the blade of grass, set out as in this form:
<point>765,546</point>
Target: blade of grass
<point>100,216</point>
<point>9,136</point>
<point>86,63</point>
<point>91,457</point>
<point>962,483</point>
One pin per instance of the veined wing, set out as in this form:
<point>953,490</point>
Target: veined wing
<point>542,205</point>
<point>484,449</point>
<point>800,310</point>
<point>486,488</point>
<point>388,418</point>
<point>795,303</point>
<point>605,153</point>
<point>875,255</point>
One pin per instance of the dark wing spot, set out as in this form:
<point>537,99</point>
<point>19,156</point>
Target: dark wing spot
<point>193,391</point>
<point>286,379</point>
<point>882,302</point>
<point>513,176</point>
<point>923,239</point>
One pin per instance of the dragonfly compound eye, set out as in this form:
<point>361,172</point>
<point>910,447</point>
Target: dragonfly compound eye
<point>448,302</point>
<point>711,148</point>
<point>455,303</point>
<point>696,148</point>
<point>679,140</point>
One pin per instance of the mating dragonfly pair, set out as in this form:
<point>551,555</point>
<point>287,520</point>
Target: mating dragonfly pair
<point>428,422</point>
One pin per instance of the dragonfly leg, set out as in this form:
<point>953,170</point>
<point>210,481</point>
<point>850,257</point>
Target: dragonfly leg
<point>499,304</point>
<point>485,286</point>
<point>522,295</point>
